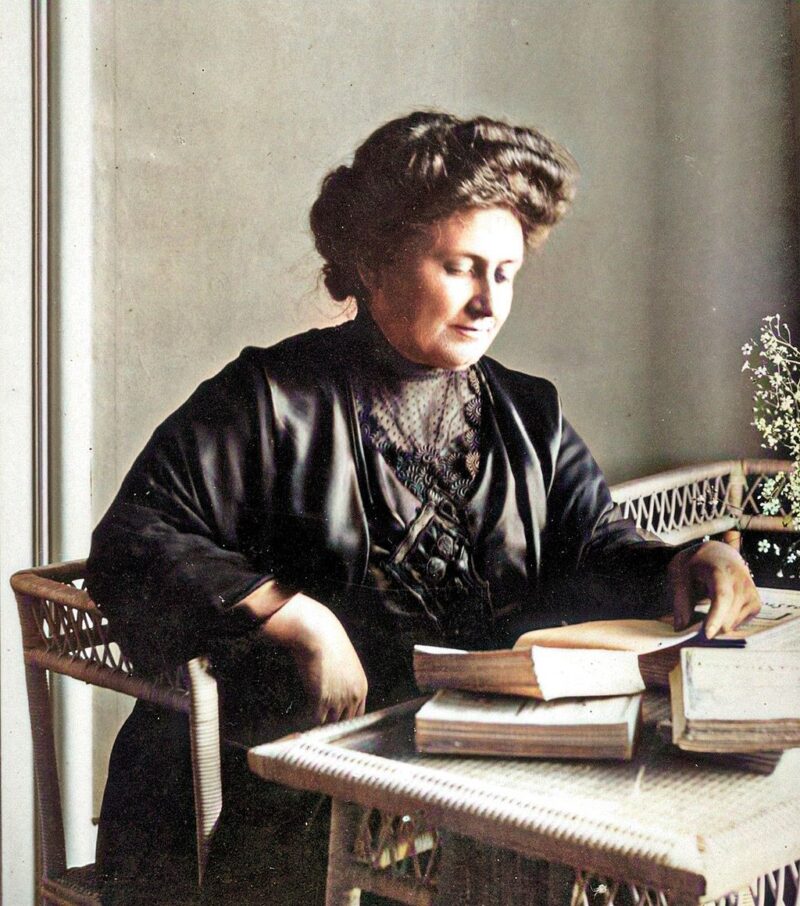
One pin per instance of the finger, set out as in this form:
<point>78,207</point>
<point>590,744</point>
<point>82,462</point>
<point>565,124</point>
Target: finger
<point>357,708</point>
<point>745,602</point>
<point>723,604</point>
<point>321,715</point>
<point>325,713</point>
<point>352,710</point>
<point>751,606</point>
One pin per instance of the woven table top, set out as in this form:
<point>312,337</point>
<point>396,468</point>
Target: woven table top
<point>661,820</point>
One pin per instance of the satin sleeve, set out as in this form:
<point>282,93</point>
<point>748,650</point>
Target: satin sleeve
<point>596,563</point>
<point>188,534</point>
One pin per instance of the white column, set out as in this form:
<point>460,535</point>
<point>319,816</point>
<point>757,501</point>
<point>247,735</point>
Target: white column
<point>71,279</point>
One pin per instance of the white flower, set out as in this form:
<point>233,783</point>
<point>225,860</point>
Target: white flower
<point>763,545</point>
<point>776,414</point>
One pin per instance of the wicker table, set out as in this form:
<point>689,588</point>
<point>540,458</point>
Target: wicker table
<point>428,829</point>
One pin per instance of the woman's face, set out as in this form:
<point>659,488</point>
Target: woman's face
<point>443,300</point>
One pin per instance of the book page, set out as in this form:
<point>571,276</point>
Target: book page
<point>640,636</point>
<point>472,708</point>
<point>782,600</point>
<point>776,625</point>
<point>580,712</point>
<point>738,685</point>
<point>574,672</point>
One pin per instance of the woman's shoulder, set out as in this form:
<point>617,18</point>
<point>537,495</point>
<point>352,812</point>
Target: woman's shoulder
<point>308,357</point>
<point>298,365</point>
<point>524,389</point>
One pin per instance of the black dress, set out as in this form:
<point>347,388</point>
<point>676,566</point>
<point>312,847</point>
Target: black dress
<point>410,532</point>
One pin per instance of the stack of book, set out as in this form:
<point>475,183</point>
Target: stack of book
<point>575,691</point>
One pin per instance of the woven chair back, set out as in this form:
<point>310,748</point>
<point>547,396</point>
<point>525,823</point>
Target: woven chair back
<point>65,632</point>
<point>719,498</point>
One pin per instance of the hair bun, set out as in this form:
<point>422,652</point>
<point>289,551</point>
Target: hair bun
<point>333,217</point>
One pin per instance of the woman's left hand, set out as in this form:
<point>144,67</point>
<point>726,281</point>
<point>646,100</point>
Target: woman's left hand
<point>715,571</point>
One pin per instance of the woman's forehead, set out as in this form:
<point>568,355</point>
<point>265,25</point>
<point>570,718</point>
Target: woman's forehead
<point>488,232</point>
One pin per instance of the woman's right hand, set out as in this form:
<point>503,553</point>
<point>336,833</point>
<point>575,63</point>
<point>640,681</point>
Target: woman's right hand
<point>329,666</point>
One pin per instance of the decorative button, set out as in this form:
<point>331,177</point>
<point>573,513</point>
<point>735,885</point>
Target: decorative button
<point>445,545</point>
<point>436,569</point>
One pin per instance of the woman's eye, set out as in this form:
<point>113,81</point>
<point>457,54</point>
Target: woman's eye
<point>462,270</point>
<point>501,276</point>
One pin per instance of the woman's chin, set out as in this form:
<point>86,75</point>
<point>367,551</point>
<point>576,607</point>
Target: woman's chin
<point>454,356</point>
<point>466,350</point>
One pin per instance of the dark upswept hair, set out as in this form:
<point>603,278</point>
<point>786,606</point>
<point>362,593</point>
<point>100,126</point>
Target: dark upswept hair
<point>423,167</point>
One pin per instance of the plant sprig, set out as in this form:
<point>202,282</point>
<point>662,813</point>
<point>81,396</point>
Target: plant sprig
<point>775,375</point>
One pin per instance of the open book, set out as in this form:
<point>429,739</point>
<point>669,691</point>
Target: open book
<point>467,723</point>
<point>603,657</point>
<point>736,701</point>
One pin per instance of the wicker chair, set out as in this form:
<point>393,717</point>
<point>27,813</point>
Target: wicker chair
<point>63,631</point>
<point>719,498</point>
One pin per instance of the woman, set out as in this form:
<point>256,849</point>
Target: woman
<point>320,506</point>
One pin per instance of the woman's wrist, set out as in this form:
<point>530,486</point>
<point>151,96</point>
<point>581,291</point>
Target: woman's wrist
<point>291,619</point>
<point>301,624</point>
<point>265,600</point>
<point>284,616</point>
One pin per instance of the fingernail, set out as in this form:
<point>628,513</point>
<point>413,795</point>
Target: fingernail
<point>711,630</point>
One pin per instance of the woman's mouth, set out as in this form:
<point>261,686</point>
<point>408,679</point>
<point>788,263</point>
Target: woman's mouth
<point>474,330</point>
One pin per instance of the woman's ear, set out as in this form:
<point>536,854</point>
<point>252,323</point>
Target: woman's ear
<point>370,276</point>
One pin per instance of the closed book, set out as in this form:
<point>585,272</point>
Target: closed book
<point>474,724</point>
<point>736,700</point>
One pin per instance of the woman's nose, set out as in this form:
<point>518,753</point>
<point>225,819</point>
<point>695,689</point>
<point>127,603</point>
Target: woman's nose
<point>483,299</point>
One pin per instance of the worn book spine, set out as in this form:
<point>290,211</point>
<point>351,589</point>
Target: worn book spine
<point>508,672</point>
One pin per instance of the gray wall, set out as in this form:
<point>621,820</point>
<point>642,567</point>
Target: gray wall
<point>217,120</point>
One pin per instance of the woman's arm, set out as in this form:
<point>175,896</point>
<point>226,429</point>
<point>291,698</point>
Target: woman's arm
<point>329,667</point>
<point>188,535</point>
<point>617,572</point>
<point>182,560</point>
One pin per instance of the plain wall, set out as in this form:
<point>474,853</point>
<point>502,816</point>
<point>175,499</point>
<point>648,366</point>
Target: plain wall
<point>217,120</point>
